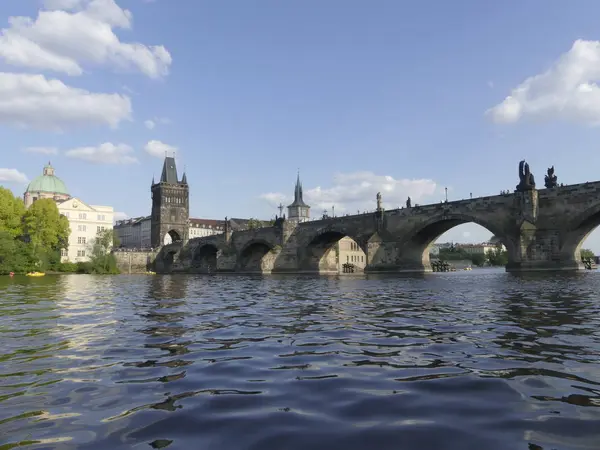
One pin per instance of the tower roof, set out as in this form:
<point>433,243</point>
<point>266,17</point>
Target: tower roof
<point>48,182</point>
<point>298,200</point>
<point>169,172</point>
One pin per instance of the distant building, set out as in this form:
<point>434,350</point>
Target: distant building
<point>481,249</point>
<point>349,252</point>
<point>85,221</point>
<point>298,211</point>
<point>46,185</point>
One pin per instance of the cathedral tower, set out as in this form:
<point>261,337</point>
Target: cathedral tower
<point>170,206</point>
<point>298,211</point>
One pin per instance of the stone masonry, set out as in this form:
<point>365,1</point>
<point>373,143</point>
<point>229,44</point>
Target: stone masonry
<point>541,229</point>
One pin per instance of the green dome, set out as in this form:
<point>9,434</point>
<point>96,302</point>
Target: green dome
<point>48,182</point>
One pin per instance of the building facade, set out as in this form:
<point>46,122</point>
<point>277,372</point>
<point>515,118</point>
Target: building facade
<point>47,185</point>
<point>85,221</point>
<point>170,206</point>
<point>350,253</point>
<point>136,232</point>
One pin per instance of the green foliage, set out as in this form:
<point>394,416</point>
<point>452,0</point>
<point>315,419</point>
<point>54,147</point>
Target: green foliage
<point>45,227</point>
<point>11,213</point>
<point>254,223</point>
<point>478,259</point>
<point>31,240</point>
<point>497,257</point>
<point>15,255</point>
<point>101,260</point>
<point>586,253</point>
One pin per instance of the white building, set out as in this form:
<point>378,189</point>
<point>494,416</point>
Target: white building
<point>85,222</point>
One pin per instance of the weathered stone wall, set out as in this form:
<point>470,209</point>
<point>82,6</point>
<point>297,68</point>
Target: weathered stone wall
<point>135,262</point>
<point>541,230</point>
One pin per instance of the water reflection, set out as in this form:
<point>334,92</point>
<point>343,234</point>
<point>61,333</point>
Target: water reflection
<point>454,361</point>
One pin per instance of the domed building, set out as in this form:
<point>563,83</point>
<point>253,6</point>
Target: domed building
<point>85,220</point>
<point>46,185</point>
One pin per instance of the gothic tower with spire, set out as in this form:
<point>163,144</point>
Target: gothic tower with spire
<point>298,211</point>
<point>170,206</point>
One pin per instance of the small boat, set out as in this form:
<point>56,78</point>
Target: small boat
<point>36,274</point>
<point>150,273</point>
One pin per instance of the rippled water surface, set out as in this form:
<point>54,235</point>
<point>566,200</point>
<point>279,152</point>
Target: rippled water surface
<point>472,360</point>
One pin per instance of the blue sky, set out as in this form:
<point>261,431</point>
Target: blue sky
<point>360,96</point>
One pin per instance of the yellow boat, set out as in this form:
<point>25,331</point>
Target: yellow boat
<point>36,274</point>
<point>150,273</point>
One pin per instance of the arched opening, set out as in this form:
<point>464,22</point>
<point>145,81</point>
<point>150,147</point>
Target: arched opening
<point>205,258</point>
<point>171,236</point>
<point>165,263</point>
<point>455,243</point>
<point>582,243</point>
<point>333,252</point>
<point>254,258</point>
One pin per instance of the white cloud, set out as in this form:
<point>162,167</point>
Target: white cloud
<point>106,153</point>
<point>159,149</point>
<point>118,215</point>
<point>71,33</point>
<point>152,123</point>
<point>566,91</point>
<point>42,150</point>
<point>13,176</point>
<point>352,192</point>
<point>33,101</point>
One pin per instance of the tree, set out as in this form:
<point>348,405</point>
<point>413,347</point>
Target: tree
<point>45,226</point>
<point>497,257</point>
<point>15,255</point>
<point>478,259</point>
<point>586,253</point>
<point>254,223</point>
<point>101,260</point>
<point>11,213</point>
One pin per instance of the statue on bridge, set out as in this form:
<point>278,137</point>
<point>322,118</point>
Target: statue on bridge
<point>527,180</point>
<point>408,203</point>
<point>550,179</point>
<point>379,201</point>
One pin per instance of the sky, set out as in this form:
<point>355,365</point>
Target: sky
<point>406,98</point>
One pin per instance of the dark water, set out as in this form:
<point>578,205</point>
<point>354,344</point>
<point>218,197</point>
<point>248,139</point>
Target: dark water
<point>471,360</point>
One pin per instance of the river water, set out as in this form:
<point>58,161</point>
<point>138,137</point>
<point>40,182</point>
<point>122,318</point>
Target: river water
<point>465,360</point>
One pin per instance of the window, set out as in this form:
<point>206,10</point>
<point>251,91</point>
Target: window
<point>81,240</point>
<point>82,215</point>
<point>64,252</point>
<point>80,252</point>
<point>101,217</point>
<point>347,258</point>
<point>99,229</point>
<point>81,228</point>
<point>66,214</point>
<point>362,259</point>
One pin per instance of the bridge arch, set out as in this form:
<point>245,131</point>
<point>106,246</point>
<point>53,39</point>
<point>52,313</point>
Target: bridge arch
<point>321,254</point>
<point>172,236</point>
<point>256,256</point>
<point>578,230</point>
<point>166,257</point>
<point>414,247</point>
<point>204,257</point>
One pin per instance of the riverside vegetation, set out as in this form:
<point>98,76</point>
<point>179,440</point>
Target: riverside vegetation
<point>495,257</point>
<point>31,240</point>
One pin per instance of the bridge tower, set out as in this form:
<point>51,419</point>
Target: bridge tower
<point>298,211</point>
<point>170,206</point>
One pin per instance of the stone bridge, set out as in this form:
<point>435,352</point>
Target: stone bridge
<point>541,229</point>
